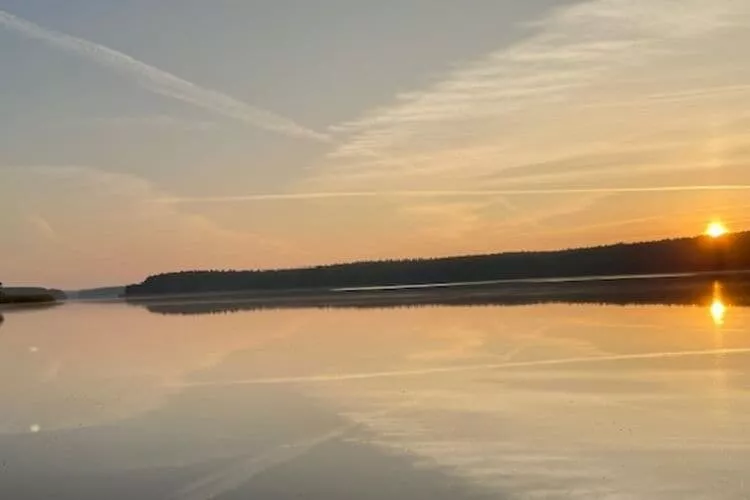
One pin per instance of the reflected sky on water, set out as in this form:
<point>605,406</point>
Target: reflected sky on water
<point>546,401</point>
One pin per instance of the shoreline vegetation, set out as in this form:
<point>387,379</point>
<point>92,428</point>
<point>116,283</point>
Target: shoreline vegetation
<point>681,290</point>
<point>23,296</point>
<point>517,274</point>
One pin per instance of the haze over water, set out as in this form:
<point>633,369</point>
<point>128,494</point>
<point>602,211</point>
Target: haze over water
<point>550,401</point>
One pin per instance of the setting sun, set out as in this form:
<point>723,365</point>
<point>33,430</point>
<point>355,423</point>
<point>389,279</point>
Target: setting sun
<point>716,230</point>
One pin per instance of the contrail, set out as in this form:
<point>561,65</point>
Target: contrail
<point>470,368</point>
<point>159,81</point>
<point>452,193</point>
<point>245,470</point>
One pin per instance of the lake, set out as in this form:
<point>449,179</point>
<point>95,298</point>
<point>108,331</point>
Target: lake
<point>548,401</point>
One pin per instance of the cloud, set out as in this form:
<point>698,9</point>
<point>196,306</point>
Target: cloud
<point>604,97</point>
<point>245,470</point>
<point>85,223</point>
<point>467,193</point>
<point>546,99</point>
<point>159,81</point>
<point>43,227</point>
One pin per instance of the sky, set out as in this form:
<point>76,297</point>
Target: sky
<point>139,137</point>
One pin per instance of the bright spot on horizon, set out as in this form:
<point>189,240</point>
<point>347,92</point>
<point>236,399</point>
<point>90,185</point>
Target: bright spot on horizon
<point>716,230</point>
<point>35,428</point>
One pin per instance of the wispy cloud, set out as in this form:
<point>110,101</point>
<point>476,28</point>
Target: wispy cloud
<point>108,215</point>
<point>451,194</point>
<point>602,97</point>
<point>547,98</point>
<point>42,226</point>
<point>244,470</point>
<point>158,80</point>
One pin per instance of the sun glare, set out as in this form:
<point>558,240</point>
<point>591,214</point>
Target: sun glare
<point>718,312</point>
<point>718,307</point>
<point>716,230</point>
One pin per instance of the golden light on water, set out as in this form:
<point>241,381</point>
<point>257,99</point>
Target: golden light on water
<point>718,312</point>
<point>718,307</point>
<point>716,230</point>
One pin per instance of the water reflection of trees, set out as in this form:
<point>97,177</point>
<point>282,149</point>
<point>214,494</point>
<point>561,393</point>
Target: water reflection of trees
<point>671,291</point>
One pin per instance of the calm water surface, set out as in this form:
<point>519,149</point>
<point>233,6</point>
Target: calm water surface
<point>550,402</point>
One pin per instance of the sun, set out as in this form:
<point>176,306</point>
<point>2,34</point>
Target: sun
<point>716,230</point>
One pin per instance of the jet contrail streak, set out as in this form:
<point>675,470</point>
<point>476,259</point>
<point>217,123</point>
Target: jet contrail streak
<point>159,81</point>
<point>453,193</point>
<point>245,470</point>
<point>470,368</point>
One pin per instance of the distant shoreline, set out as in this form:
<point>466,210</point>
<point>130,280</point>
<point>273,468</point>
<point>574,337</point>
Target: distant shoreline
<point>16,301</point>
<point>686,290</point>
<point>29,297</point>
<point>726,256</point>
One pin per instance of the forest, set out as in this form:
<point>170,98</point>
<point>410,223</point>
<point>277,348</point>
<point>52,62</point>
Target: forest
<point>676,256</point>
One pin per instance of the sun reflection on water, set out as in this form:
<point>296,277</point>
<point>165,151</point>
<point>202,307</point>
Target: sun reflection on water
<point>718,307</point>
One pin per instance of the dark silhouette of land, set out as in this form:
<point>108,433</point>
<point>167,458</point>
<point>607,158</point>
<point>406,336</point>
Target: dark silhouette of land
<point>29,295</point>
<point>730,253</point>
<point>703,290</point>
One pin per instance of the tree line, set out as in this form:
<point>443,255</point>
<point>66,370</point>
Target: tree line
<point>684,255</point>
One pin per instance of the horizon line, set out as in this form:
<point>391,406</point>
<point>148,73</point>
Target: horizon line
<point>470,255</point>
<point>406,258</point>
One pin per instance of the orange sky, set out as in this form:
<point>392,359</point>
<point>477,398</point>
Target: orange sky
<point>127,150</point>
